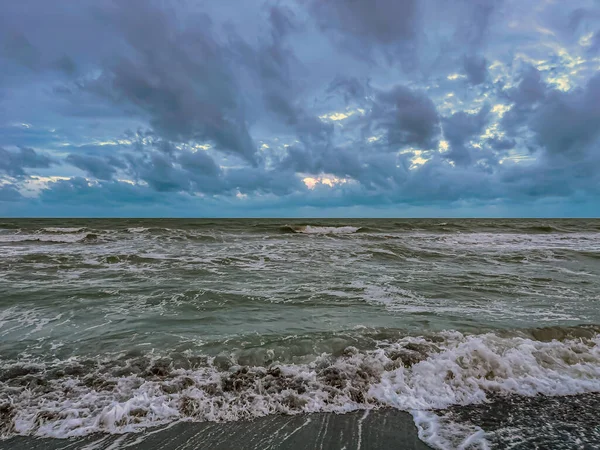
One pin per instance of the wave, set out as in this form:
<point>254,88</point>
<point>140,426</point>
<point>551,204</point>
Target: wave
<point>61,230</point>
<point>314,229</point>
<point>137,229</point>
<point>542,229</point>
<point>50,238</point>
<point>421,374</point>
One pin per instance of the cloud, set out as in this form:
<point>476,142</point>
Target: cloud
<point>79,191</point>
<point>408,117</point>
<point>18,48</point>
<point>232,105</point>
<point>403,30</point>
<point>181,76</point>
<point>568,123</point>
<point>8,193</point>
<point>101,168</point>
<point>459,128</point>
<point>351,88</point>
<point>380,21</point>
<point>14,163</point>
<point>476,69</point>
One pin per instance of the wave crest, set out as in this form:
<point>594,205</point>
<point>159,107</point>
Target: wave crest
<point>411,374</point>
<point>63,230</point>
<point>49,238</point>
<point>314,229</point>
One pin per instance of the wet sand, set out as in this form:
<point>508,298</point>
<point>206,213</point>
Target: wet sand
<point>370,430</point>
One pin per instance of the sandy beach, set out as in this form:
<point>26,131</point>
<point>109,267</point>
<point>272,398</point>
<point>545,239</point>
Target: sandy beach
<point>365,430</point>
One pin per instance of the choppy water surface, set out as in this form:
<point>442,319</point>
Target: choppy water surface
<point>117,325</point>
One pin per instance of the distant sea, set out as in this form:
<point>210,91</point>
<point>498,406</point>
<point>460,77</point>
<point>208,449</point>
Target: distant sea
<point>487,332</point>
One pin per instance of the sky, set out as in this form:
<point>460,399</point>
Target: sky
<point>300,108</point>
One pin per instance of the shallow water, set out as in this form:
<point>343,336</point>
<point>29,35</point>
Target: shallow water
<point>118,325</point>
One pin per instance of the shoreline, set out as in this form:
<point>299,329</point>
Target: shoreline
<point>365,430</point>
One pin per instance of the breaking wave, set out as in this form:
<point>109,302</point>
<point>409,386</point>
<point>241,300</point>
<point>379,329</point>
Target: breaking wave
<point>314,229</point>
<point>61,230</point>
<point>50,237</point>
<point>423,375</point>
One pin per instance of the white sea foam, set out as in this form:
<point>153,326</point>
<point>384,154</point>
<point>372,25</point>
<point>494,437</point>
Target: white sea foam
<point>444,434</point>
<point>413,374</point>
<point>44,237</point>
<point>137,230</point>
<point>62,229</point>
<point>312,229</point>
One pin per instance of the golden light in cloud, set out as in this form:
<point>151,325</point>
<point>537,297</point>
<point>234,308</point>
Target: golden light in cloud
<point>336,116</point>
<point>561,82</point>
<point>492,132</point>
<point>501,109</point>
<point>32,186</point>
<point>48,179</point>
<point>417,160</point>
<point>327,180</point>
<point>444,146</point>
<point>586,40</point>
<point>310,182</point>
<point>456,76</point>
<point>111,143</point>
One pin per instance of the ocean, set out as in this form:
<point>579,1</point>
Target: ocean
<point>485,333</point>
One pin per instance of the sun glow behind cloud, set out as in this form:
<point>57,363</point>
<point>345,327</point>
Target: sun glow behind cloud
<point>323,180</point>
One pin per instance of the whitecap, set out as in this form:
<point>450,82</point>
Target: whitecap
<point>313,229</point>
<point>414,374</point>
<point>63,229</point>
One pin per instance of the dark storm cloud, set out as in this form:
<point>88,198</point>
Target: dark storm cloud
<point>476,69</point>
<point>587,20</point>
<point>408,117</point>
<point>15,163</point>
<point>474,20</point>
<point>531,88</point>
<point>568,124</point>
<point>501,143</point>
<point>179,75</point>
<point>350,88</point>
<point>18,48</point>
<point>525,97</point>
<point>197,172</point>
<point>404,29</point>
<point>564,124</point>
<point>97,167</point>
<point>79,191</point>
<point>239,101</point>
<point>200,163</point>
<point>381,21</point>
<point>160,172</point>
<point>459,128</point>
<point>337,161</point>
<point>370,28</point>
<point>565,130</point>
